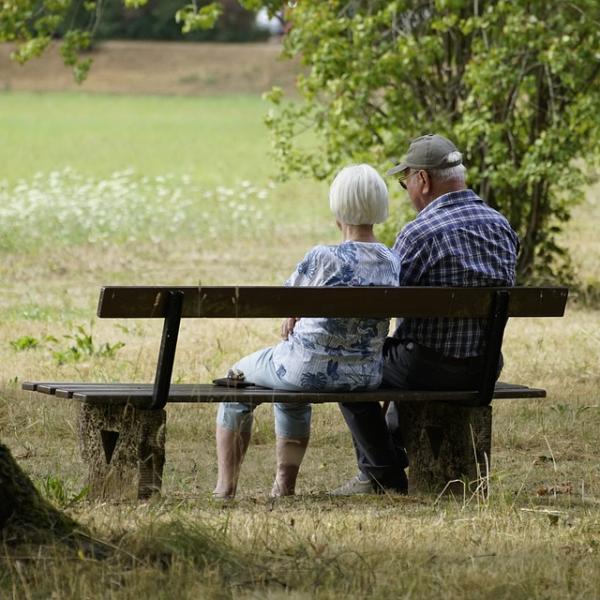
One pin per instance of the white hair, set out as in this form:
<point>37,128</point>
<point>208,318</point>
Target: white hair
<point>455,156</point>
<point>457,173</point>
<point>358,196</point>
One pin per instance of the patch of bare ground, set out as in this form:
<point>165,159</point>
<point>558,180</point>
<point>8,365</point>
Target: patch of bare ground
<point>177,68</point>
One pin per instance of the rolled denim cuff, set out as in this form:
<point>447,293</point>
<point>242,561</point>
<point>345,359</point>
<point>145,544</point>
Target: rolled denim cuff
<point>235,416</point>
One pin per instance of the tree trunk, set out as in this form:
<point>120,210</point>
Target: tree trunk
<point>24,515</point>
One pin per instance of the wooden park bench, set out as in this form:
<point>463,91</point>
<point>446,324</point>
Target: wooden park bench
<point>122,425</point>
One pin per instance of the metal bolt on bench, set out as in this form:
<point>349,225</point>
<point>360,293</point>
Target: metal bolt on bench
<point>122,426</point>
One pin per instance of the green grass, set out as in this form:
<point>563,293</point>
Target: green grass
<point>217,141</point>
<point>55,253</point>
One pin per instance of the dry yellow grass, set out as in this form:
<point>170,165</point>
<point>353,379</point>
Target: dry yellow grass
<point>519,544</point>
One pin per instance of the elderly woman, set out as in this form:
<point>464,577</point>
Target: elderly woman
<point>325,354</point>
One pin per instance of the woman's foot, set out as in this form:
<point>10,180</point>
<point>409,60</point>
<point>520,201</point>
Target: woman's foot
<point>285,481</point>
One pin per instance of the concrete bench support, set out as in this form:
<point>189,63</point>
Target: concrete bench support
<point>124,449</point>
<point>444,443</point>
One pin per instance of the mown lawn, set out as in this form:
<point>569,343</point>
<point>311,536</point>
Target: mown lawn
<point>101,190</point>
<point>217,140</point>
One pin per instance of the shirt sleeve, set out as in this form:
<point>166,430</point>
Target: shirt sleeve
<point>304,274</point>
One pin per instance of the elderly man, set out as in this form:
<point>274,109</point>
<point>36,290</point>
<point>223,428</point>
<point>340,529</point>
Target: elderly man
<point>455,240</point>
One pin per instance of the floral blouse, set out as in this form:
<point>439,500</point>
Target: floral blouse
<point>338,353</point>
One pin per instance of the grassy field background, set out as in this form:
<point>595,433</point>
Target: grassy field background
<point>101,189</point>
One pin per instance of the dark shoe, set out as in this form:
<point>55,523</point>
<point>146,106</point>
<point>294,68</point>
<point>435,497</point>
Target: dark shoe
<point>400,487</point>
<point>396,490</point>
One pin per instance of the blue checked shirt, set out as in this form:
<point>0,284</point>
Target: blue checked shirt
<point>457,240</point>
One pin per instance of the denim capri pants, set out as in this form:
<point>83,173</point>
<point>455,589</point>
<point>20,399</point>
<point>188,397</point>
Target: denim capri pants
<point>291,420</point>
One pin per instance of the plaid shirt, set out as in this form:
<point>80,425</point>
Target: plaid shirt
<point>457,240</point>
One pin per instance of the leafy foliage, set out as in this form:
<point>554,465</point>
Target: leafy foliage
<point>33,24</point>
<point>82,345</point>
<point>224,21</point>
<point>25,342</point>
<point>515,84</point>
<point>56,491</point>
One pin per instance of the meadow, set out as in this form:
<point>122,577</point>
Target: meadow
<point>98,190</point>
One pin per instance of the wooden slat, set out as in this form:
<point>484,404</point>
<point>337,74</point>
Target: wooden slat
<point>206,393</point>
<point>64,389</point>
<point>29,386</point>
<point>67,392</point>
<point>57,388</point>
<point>132,388</point>
<point>47,387</point>
<point>248,302</point>
<point>257,396</point>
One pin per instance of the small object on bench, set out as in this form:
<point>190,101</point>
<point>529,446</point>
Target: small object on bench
<point>235,379</point>
<point>122,425</point>
<point>231,382</point>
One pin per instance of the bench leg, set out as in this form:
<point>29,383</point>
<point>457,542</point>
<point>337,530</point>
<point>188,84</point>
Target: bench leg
<point>124,449</point>
<point>446,443</point>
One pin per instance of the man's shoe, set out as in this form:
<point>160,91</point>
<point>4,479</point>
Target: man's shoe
<point>356,485</point>
<point>353,487</point>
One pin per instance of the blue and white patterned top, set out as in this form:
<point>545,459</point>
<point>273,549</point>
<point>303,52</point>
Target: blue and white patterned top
<point>332,353</point>
<point>457,240</point>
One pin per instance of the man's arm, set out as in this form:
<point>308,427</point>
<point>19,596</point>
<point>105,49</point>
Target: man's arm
<point>414,258</point>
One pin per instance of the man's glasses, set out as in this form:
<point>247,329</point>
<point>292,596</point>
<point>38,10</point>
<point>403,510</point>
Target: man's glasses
<point>404,180</point>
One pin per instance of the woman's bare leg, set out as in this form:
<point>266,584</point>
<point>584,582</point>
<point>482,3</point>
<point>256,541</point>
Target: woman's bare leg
<point>231,448</point>
<point>290,452</point>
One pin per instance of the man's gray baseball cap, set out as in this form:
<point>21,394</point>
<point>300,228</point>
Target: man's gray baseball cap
<point>430,151</point>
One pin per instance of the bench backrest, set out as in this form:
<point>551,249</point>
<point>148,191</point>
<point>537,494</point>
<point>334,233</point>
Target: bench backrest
<point>174,303</point>
<point>252,302</point>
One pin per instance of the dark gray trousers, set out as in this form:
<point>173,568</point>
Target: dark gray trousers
<point>377,438</point>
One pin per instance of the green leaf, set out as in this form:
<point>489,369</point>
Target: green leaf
<point>194,19</point>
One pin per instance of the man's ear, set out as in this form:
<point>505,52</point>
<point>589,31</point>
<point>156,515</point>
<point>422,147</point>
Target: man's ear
<point>424,175</point>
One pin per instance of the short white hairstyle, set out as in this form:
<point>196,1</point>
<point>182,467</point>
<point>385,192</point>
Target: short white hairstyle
<point>458,172</point>
<point>358,196</point>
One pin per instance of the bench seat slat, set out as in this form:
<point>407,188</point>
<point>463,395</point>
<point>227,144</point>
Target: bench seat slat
<point>62,388</point>
<point>140,395</point>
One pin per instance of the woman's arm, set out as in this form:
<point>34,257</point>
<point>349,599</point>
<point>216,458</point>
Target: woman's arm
<point>303,275</point>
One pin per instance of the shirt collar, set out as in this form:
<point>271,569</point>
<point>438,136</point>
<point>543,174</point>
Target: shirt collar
<point>451,198</point>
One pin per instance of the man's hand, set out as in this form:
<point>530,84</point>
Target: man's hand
<point>288,326</point>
